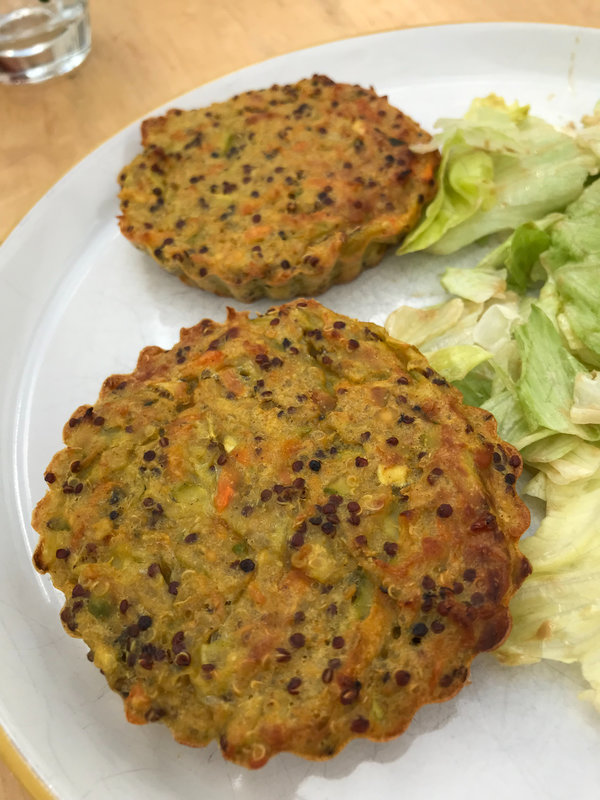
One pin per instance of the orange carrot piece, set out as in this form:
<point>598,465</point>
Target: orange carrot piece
<point>224,493</point>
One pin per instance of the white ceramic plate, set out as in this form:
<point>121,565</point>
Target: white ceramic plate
<point>77,303</point>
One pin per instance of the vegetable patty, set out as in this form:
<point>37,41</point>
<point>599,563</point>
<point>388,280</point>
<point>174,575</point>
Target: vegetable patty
<point>283,533</point>
<point>279,192</point>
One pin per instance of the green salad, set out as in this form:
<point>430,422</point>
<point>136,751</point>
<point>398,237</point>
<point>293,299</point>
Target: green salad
<point>521,338</point>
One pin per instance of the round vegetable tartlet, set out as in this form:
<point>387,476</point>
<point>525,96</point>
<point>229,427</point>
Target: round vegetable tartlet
<point>278,192</point>
<point>283,533</point>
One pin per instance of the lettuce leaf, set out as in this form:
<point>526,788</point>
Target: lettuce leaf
<point>477,285</point>
<point>545,388</point>
<point>419,325</point>
<point>501,167</point>
<point>457,361</point>
<point>556,613</point>
<point>586,398</point>
<point>572,260</point>
<point>564,458</point>
<point>476,389</point>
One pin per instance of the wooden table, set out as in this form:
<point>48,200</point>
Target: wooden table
<point>147,51</point>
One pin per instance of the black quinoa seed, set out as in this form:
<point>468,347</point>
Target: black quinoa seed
<point>314,465</point>
<point>297,640</point>
<point>402,677</point>
<point>297,540</point>
<point>359,725</point>
<point>327,675</point>
<point>183,659</point>
<point>349,695</point>
<point>444,510</point>
<point>283,655</point>
<point>247,565</point>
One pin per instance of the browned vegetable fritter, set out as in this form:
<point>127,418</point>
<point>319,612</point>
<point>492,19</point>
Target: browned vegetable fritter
<point>278,192</point>
<point>283,533</point>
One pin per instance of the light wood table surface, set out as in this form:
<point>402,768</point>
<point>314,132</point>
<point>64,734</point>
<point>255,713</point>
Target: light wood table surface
<point>145,52</point>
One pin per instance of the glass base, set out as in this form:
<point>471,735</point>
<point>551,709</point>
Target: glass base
<point>36,46</point>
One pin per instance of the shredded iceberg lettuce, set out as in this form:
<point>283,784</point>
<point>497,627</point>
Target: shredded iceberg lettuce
<point>501,168</point>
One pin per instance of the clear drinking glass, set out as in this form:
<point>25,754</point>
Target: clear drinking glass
<point>42,38</point>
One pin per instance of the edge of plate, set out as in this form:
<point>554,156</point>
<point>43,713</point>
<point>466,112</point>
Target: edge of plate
<point>22,769</point>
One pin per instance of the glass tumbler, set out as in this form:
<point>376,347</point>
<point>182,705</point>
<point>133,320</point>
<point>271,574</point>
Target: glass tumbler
<point>42,38</point>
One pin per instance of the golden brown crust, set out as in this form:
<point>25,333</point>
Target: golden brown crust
<point>283,533</point>
<point>279,192</point>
